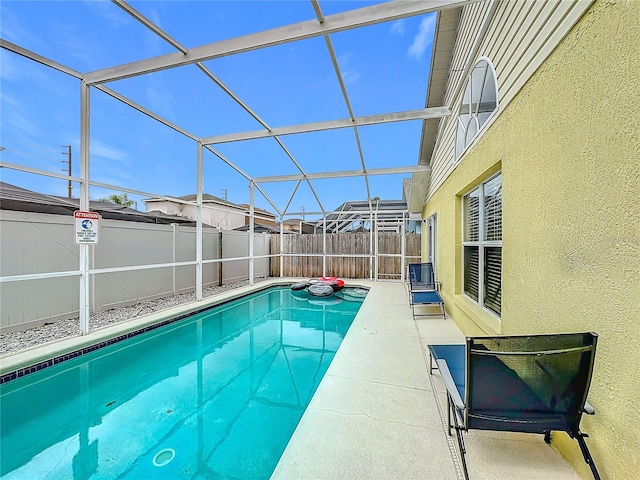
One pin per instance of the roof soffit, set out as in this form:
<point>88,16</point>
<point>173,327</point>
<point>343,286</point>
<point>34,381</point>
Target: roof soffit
<point>443,44</point>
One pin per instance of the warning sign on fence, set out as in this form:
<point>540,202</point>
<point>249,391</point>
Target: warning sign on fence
<point>86,224</point>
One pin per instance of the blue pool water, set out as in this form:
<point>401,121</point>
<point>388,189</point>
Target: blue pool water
<point>214,396</point>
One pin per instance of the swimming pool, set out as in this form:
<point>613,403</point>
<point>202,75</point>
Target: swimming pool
<point>215,395</point>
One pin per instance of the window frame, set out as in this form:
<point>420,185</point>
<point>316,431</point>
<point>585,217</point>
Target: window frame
<point>481,244</point>
<point>431,232</point>
<point>473,115</point>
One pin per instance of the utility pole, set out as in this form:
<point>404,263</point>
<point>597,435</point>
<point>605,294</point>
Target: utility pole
<point>68,153</point>
<point>224,192</point>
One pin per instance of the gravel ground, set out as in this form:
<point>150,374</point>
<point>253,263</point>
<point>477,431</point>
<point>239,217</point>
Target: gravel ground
<point>12,342</point>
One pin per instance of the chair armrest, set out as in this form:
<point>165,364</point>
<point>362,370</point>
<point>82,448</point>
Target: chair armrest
<point>588,409</point>
<point>450,384</point>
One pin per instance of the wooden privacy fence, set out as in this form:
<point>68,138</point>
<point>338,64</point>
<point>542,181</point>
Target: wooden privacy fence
<point>353,254</point>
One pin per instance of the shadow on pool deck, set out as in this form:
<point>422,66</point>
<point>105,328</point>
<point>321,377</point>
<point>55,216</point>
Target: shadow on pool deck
<point>378,413</point>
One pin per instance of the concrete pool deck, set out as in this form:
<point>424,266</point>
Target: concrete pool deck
<point>378,414</point>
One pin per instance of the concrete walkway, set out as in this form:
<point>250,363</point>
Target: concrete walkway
<point>378,414</point>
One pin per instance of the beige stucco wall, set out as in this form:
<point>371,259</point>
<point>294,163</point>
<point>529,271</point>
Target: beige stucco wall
<point>569,150</point>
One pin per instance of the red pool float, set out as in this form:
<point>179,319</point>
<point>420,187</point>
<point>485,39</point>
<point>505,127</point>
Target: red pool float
<point>336,283</point>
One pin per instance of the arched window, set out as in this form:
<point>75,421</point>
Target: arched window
<point>479,101</point>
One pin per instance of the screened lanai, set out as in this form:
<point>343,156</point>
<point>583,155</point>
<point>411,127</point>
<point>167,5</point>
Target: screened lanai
<point>332,138</point>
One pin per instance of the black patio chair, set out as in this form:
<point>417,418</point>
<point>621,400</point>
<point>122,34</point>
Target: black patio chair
<point>529,384</point>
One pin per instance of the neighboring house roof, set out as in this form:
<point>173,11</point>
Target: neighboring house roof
<point>256,209</point>
<point>261,228</point>
<point>295,222</point>
<point>207,198</point>
<point>20,199</point>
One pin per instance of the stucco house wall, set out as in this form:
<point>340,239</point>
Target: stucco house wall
<point>568,147</point>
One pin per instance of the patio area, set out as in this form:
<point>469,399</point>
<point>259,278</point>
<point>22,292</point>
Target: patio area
<point>379,414</point>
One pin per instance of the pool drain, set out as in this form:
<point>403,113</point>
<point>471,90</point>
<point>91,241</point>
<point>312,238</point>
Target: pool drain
<point>163,457</point>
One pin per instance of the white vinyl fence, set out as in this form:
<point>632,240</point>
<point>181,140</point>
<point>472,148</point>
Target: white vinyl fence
<point>32,243</point>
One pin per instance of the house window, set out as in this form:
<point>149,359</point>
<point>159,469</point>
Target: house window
<point>482,244</point>
<point>479,101</point>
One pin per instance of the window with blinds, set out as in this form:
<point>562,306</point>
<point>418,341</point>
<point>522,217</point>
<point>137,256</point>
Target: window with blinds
<point>471,280</point>
<point>493,279</point>
<point>493,209</point>
<point>482,246</point>
<point>472,217</point>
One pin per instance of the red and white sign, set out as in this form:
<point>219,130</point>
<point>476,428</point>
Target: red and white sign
<point>86,225</point>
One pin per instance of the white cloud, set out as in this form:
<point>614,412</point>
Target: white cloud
<point>15,30</point>
<point>100,149</point>
<point>398,27</point>
<point>10,71</point>
<point>424,37</point>
<point>25,73</point>
<point>115,16</point>
<point>16,116</point>
<point>349,73</point>
<point>161,100</point>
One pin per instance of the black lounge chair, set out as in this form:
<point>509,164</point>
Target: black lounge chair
<point>423,288</point>
<point>530,384</point>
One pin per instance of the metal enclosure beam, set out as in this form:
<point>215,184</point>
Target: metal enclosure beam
<point>343,174</point>
<point>12,47</point>
<point>199,182</point>
<point>290,33</point>
<point>422,114</point>
<point>252,234</point>
<point>84,206</point>
<point>281,246</point>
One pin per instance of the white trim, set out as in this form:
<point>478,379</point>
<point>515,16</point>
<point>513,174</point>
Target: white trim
<point>431,237</point>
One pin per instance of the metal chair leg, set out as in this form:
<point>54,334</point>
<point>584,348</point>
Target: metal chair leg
<point>587,455</point>
<point>463,460</point>
<point>459,430</point>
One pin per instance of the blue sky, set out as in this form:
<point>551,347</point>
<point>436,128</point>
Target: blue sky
<point>385,68</point>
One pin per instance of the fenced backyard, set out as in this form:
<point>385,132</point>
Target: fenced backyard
<point>137,262</point>
<point>348,255</point>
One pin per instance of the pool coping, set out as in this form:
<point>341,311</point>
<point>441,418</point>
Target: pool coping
<point>18,364</point>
